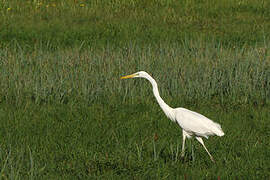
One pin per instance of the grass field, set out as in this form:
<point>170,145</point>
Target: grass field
<point>67,115</point>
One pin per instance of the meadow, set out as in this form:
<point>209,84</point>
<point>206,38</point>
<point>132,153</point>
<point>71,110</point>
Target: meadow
<point>67,115</point>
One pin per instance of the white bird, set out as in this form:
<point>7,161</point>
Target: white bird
<point>192,123</point>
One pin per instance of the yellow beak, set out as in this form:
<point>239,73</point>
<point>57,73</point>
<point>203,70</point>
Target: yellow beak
<point>128,76</point>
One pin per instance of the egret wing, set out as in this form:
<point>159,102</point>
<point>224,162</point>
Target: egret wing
<point>195,123</point>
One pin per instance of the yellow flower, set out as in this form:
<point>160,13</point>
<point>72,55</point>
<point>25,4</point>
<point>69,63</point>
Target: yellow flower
<point>9,9</point>
<point>82,5</point>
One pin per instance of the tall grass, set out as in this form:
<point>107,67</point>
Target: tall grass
<point>190,71</point>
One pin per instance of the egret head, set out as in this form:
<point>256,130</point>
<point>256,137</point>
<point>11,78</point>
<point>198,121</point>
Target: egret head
<point>141,74</point>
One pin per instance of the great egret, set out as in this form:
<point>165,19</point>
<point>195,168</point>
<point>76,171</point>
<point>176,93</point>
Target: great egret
<point>192,123</point>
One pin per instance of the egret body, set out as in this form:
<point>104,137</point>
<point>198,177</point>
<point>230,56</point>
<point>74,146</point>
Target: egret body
<point>192,123</point>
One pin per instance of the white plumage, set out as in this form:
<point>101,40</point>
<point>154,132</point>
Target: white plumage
<point>197,124</point>
<point>192,123</point>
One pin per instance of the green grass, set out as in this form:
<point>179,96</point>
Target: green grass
<point>71,141</point>
<point>66,23</point>
<point>66,114</point>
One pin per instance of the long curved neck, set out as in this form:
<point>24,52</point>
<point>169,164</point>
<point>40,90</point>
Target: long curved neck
<point>165,107</point>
